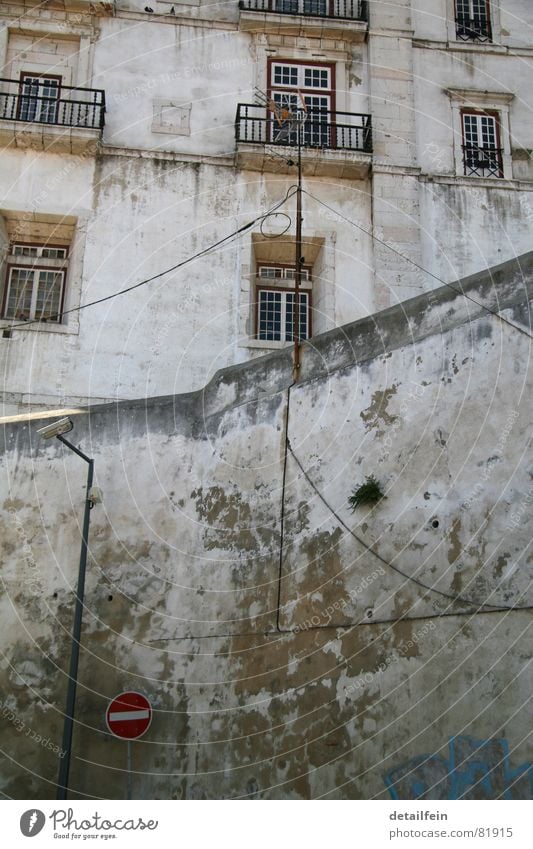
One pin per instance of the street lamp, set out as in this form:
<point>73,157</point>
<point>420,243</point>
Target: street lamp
<point>93,496</point>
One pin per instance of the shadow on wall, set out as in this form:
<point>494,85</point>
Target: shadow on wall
<point>475,769</point>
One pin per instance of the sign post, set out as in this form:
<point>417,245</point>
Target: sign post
<point>128,717</point>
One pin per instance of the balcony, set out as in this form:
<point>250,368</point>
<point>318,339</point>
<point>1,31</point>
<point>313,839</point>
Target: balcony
<point>338,19</point>
<point>333,144</point>
<point>473,29</point>
<point>42,114</point>
<point>482,161</point>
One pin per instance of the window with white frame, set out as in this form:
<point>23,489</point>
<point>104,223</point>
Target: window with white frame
<point>309,89</point>
<point>472,20</point>
<point>276,305</point>
<point>482,151</point>
<point>35,282</point>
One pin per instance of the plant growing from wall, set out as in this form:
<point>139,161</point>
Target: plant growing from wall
<point>369,492</point>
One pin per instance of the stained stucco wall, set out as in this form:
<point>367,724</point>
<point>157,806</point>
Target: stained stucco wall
<point>291,649</point>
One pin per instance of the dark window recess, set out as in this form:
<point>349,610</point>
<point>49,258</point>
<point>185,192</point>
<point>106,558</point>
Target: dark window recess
<point>472,21</point>
<point>482,154</point>
<point>45,100</point>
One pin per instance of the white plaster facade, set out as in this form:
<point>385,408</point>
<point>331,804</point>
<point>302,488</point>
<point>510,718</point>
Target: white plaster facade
<point>166,178</point>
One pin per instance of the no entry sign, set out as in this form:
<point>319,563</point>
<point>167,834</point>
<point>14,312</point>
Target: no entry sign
<point>129,715</point>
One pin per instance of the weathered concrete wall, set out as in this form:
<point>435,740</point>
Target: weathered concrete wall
<point>291,649</point>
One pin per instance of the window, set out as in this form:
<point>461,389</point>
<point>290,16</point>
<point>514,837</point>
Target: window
<point>302,89</point>
<point>482,152</point>
<point>481,133</point>
<point>301,7</point>
<point>35,283</point>
<point>39,97</point>
<point>472,20</point>
<point>275,306</point>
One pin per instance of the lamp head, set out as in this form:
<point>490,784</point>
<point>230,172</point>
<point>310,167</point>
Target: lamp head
<point>56,428</point>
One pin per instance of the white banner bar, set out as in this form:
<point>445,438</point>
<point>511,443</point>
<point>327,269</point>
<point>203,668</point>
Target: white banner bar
<point>236,824</point>
<point>119,716</point>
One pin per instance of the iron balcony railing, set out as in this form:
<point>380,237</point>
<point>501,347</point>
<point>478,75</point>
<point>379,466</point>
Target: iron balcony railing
<point>473,29</point>
<point>482,161</point>
<point>39,102</point>
<point>353,10</point>
<point>321,129</point>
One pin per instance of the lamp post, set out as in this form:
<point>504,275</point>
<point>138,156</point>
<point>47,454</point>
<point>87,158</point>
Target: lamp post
<point>92,496</point>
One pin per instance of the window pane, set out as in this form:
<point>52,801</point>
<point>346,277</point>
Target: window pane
<point>34,250</point>
<point>24,250</point>
<point>488,131</point>
<point>479,9</point>
<point>18,303</point>
<point>38,100</point>
<point>270,315</point>
<point>315,7</point>
<point>316,78</point>
<point>54,253</point>
<point>290,7</point>
<point>290,274</point>
<point>470,125</point>
<point>270,273</point>
<point>49,295</point>
<point>285,75</point>
<point>303,316</point>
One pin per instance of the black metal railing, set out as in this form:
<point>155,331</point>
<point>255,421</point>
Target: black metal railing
<point>482,161</point>
<point>473,29</point>
<point>320,129</point>
<point>353,10</point>
<point>40,103</point>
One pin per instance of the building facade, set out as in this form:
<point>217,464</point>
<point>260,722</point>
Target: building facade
<point>135,137</point>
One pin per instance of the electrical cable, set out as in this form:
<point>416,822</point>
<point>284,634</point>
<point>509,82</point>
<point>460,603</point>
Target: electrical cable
<point>369,548</point>
<point>282,509</point>
<point>275,235</point>
<point>290,192</point>
<point>420,267</point>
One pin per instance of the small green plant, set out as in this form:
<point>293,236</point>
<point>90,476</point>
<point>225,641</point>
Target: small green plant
<point>369,492</point>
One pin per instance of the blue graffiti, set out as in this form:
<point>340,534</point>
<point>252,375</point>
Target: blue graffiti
<point>475,769</point>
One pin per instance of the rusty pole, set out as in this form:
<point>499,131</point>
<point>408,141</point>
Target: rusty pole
<point>298,264</point>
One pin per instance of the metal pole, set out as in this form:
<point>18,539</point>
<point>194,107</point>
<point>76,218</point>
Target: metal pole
<point>298,263</point>
<point>128,793</point>
<point>68,725</point>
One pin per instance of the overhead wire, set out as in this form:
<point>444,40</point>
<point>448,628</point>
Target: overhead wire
<point>455,598</point>
<point>290,192</point>
<point>417,265</point>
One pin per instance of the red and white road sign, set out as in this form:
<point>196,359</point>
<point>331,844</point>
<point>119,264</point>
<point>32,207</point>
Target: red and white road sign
<point>129,715</point>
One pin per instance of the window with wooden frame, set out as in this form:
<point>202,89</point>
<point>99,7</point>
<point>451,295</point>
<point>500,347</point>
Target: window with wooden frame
<point>275,304</point>
<point>472,20</point>
<point>35,282</point>
<point>39,98</point>
<point>294,87</point>
<point>482,150</point>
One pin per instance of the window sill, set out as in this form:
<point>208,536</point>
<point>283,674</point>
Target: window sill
<point>264,344</point>
<point>40,327</point>
<point>483,182</point>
